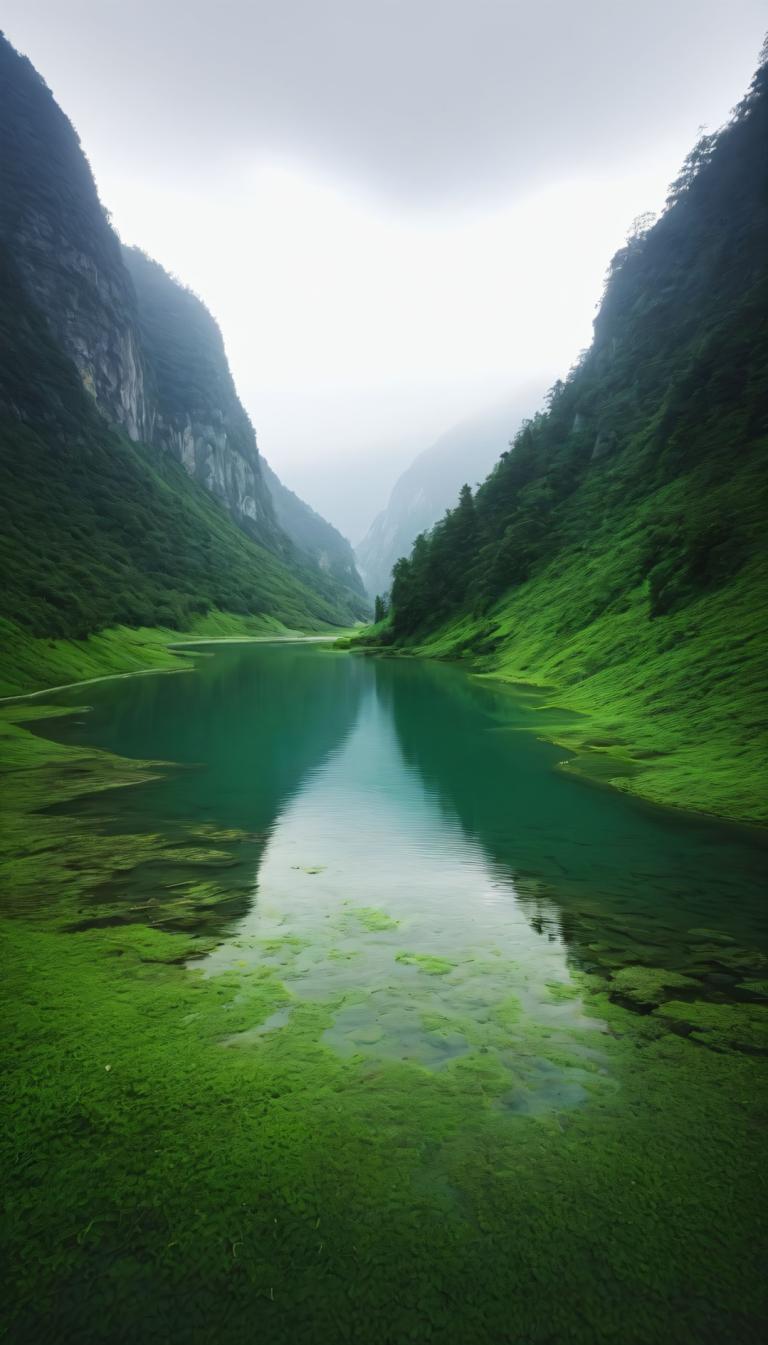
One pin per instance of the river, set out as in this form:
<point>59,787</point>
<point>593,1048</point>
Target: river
<point>543,995</point>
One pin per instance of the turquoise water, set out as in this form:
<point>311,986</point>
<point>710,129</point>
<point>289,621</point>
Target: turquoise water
<point>395,810</point>
<point>459,1047</point>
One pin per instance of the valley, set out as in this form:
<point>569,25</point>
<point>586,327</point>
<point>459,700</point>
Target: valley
<point>385,951</point>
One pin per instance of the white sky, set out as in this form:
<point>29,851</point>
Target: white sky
<point>377,272</point>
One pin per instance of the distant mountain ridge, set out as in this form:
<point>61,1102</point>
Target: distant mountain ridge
<point>431,484</point>
<point>314,535</point>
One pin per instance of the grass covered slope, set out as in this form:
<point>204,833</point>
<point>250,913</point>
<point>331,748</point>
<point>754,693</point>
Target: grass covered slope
<point>675,710</point>
<point>31,664</point>
<point>618,551</point>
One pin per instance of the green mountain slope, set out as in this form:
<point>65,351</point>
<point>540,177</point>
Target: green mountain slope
<point>100,524</point>
<point>618,551</point>
<point>97,531</point>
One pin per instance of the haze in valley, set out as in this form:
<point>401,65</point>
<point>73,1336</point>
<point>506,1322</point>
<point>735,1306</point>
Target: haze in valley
<point>399,213</point>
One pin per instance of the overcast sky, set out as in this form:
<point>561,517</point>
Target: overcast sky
<point>400,211</point>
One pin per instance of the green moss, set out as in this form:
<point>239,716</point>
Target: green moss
<point>164,1186</point>
<point>378,922</point>
<point>562,991</point>
<point>648,986</point>
<point>759,989</point>
<point>29,663</point>
<point>433,966</point>
<point>738,1027</point>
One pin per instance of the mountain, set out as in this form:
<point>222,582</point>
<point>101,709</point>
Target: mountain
<point>199,418</point>
<point>314,536</point>
<point>618,551</point>
<point>430,486</point>
<point>196,413</point>
<point>100,524</point>
<point>64,250</point>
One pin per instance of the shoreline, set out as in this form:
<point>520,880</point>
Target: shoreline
<point>602,756</point>
<point>627,764</point>
<point>189,643</point>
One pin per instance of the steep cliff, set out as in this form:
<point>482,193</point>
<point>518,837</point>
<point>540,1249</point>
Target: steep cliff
<point>96,531</point>
<point>99,525</point>
<point>200,419</point>
<point>618,551</point>
<point>66,253</point>
<point>430,486</point>
<point>198,415</point>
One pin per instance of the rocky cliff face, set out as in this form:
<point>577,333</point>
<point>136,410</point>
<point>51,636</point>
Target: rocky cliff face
<point>64,249</point>
<point>171,388</point>
<point>197,413</point>
<point>200,419</point>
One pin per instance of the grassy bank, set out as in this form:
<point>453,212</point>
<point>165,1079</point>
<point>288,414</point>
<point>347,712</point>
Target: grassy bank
<point>681,700</point>
<point>30,664</point>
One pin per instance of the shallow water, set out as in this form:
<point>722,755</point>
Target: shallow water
<point>467,1048</point>
<point>397,812</point>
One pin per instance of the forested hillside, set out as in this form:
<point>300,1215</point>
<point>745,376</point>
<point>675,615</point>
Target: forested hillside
<point>618,550</point>
<point>98,531</point>
<point>100,525</point>
<point>430,485</point>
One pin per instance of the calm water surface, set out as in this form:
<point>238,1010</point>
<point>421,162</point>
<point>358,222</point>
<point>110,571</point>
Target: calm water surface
<point>403,1091</point>
<point>409,836</point>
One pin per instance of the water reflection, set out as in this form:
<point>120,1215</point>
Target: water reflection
<point>239,736</point>
<point>408,849</point>
<point>371,897</point>
<point>602,866</point>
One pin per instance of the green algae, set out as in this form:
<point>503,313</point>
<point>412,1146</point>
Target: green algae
<point>165,1189</point>
<point>432,966</point>
<point>647,987</point>
<point>738,1027</point>
<point>375,921</point>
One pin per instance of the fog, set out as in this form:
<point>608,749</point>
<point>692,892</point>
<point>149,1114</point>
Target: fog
<point>398,212</point>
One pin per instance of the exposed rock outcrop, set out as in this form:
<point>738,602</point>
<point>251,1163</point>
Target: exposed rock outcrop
<point>64,248</point>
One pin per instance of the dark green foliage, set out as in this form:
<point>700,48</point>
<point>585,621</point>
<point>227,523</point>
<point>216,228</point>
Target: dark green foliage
<point>673,390</point>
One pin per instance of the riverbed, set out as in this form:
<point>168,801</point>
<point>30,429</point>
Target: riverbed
<point>432,1039</point>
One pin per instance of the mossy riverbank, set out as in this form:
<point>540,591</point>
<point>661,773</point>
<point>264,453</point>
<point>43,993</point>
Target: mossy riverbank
<point>29,664</point>
<point>588,1172</point>
<point>671,710</point>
